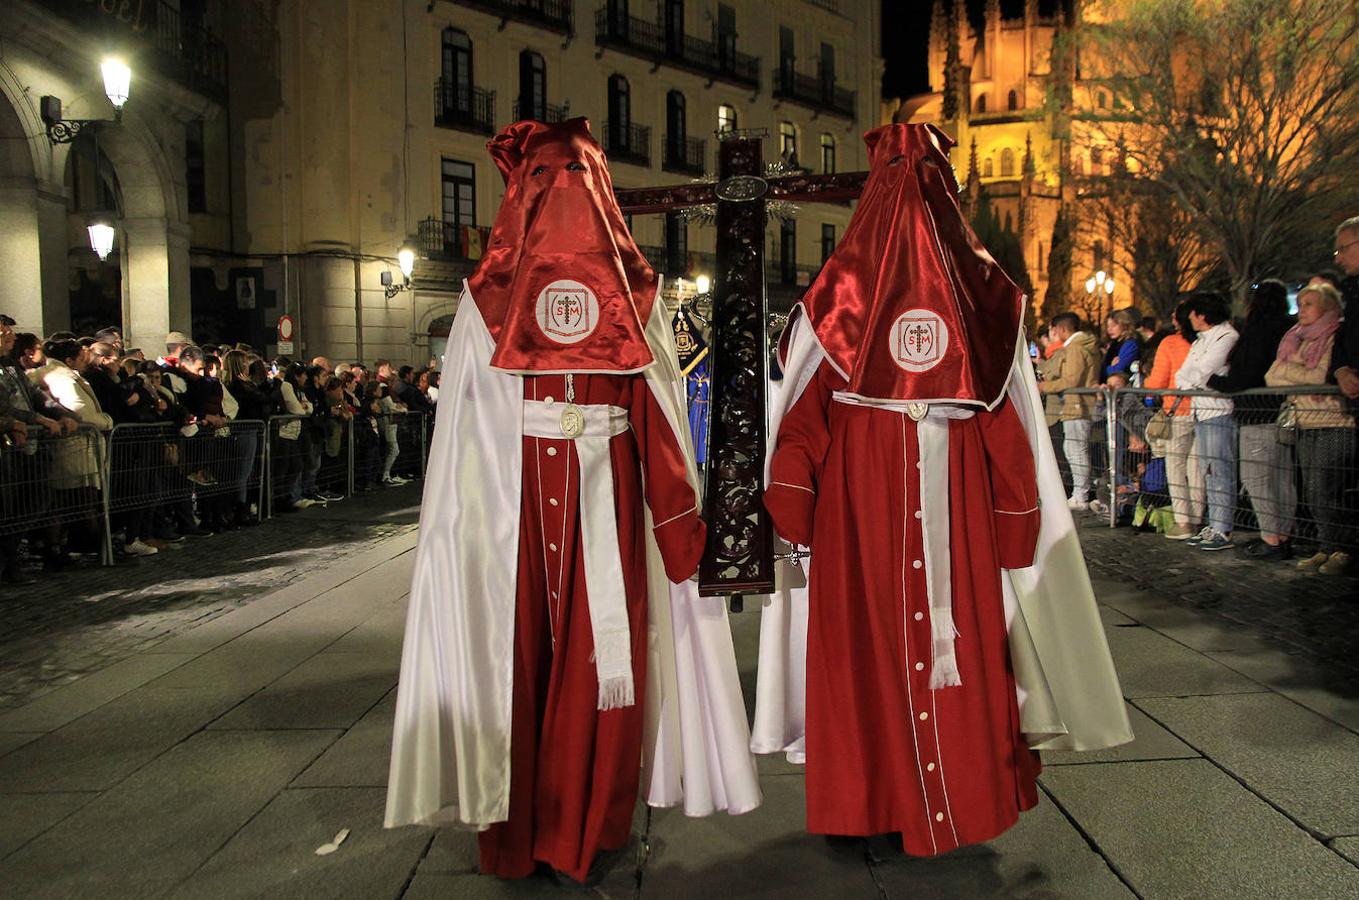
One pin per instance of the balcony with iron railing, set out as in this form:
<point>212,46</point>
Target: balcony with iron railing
<point>549,113</point>
<point>719,59</point>
<point>447,242</point>
<point>628,143</point>
<point>462,106</point>
<point>685,155</point>
<point>819,94</point>
<point>181,47</point>
<point>554,15</point>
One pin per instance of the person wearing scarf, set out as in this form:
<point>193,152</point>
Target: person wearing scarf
<point>950,627</point>
<point>1326,436</point>
<point>557,656</point>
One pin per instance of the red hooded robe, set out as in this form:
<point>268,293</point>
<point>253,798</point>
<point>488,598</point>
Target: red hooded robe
<point>901,462</point>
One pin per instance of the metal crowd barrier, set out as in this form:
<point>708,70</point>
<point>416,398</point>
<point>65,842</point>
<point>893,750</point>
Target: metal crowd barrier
<point>55,481</point>
<point>1299,482</point>
<point>103,478</point>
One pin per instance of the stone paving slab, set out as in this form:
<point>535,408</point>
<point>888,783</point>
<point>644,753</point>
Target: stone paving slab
<point>1304,764</point>
<point>274,854</point>
<point>1152,665</point>
<point>72,624</point>
<point>160,824</point>
<point>1286,609</point>
<point>361,757</point>
<point>1150,741</point>
<point>13,740</point>
<point>99,750</point>
<point>1347,847</point>
<point>764,853</point>
<point>477,887</point>
<point>1043,855</point>
<point>25,816</point>
<point>66,704</point>
<point>1299,678</point>
<point>329,690</point>
<point>1192,627</point>
<point>1185,829</point>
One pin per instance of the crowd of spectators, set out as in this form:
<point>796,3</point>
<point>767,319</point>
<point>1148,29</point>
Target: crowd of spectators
<point>195,468</point>
<point>1198,456</point>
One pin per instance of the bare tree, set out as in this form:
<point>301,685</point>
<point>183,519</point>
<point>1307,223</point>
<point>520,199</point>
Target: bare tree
<point>1245,113</point>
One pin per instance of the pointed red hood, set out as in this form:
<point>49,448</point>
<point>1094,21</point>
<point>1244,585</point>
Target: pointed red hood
<point>562,287</point>
<point>910,307</point>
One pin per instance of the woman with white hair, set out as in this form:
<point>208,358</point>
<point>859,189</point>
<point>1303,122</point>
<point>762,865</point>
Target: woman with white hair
<point>1325,430</point>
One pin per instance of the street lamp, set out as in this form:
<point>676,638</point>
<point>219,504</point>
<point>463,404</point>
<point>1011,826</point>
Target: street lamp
<point>117,86</point>
<point>405,259</point>
<point>101,238</point>
<point>117,82</point>
<point>1100,281</point>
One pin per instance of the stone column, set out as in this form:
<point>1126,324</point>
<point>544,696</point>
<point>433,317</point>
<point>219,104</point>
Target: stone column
<point>53,262</point>
<point>20,272</point>
<point>156,298</point>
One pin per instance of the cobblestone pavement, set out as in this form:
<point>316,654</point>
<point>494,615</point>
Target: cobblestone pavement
<point>1315,616</point>
<point>73,623</point>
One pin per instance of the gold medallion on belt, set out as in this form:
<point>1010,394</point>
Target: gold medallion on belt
<point>572,421</point>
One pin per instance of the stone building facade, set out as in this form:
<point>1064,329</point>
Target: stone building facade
<point>989,86</point>
<point>384,110</point>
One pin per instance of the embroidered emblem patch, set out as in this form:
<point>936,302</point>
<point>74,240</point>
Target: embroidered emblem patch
<point>919,339</point>
<point>568,311</point>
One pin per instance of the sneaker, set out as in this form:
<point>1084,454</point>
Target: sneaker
<point>1178,532</point>
<point>1314,562</point>
<point>330,496</point>
<point>1215,540</point>
<point>1267,552</point>
<point>304,503</point>
<point>1076,504</point>
<point>1099,508</point>
<point>1338,564</point>
<point>1199,537</point>
<point>137,548</point>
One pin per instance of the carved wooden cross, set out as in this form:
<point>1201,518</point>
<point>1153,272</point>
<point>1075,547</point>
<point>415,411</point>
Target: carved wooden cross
<point>739,557</point>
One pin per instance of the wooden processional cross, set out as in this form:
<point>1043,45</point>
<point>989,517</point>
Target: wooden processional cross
<point>739,557</point>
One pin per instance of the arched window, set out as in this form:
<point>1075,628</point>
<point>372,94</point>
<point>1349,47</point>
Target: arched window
<point>981,103</point>
<point>828,154</point>
<point>988,168</point>
<point>1007,163</point>
<point>532,86</point>
<point>1014,100</point>
<point>1101,99</point>
<point>726,119</point>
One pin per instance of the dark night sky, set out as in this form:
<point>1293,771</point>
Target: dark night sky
<point>906,37</point>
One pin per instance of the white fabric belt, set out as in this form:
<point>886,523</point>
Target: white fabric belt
<point>599,533</point>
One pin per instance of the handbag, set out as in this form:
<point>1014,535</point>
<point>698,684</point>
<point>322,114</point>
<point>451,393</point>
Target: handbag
<point>1158,429</point>
<point>1286,425</point>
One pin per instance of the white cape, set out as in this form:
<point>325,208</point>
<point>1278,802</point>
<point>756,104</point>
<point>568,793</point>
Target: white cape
<point>1068,692</point>
<point>451,742</point>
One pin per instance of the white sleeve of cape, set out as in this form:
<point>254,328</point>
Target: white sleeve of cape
<point>451,739</point>
<point>1068,691</point>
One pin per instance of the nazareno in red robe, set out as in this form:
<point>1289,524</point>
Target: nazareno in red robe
<point>574,768</point>
<point>565,294</point>
<point>915,329</point>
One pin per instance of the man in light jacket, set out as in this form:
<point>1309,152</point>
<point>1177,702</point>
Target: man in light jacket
<point>1075,365</point>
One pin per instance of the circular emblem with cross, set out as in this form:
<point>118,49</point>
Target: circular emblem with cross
<point>919,339</point>
<point>567,312</point>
